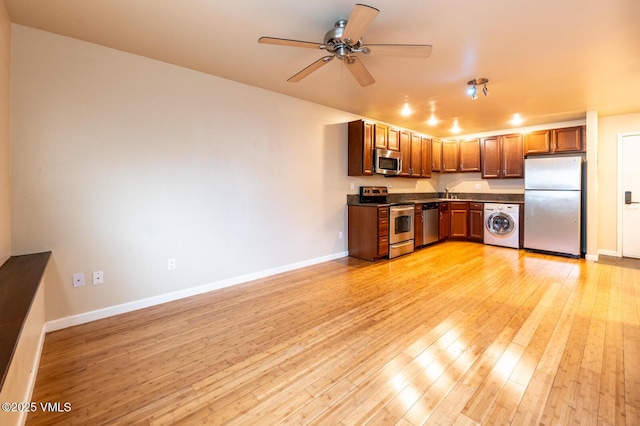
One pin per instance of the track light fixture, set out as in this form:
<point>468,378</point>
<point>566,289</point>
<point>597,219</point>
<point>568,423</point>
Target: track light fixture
<point>471,90</point>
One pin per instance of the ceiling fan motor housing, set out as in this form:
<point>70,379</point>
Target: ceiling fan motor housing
<point>334,43</point>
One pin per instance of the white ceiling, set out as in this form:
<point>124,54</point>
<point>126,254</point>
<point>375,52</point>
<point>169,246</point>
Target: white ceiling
<point>548,60</point>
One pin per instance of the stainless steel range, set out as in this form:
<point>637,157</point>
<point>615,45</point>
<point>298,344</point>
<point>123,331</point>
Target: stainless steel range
<point>401,220</point>
<point>401,230</point>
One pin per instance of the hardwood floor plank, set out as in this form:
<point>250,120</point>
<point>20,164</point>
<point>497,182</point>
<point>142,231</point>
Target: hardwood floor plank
<point>457,333</point>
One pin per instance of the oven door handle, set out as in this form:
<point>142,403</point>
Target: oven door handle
<point>402,209</point>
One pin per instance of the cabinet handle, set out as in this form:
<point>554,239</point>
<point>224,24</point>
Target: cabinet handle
<point>504,172</point>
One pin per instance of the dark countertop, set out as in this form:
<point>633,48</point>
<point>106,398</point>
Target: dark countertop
<point>435,200</point>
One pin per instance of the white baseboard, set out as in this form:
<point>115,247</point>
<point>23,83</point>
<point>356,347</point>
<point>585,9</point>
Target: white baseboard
<point>33,374</point>
<point>591,257</point>
<point>612,253</point>
<point>181,294</point>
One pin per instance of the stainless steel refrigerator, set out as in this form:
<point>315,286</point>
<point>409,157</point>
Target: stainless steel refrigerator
<point>553,204</point>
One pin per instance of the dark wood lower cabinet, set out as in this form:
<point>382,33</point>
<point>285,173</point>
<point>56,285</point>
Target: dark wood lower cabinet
<point>476,222</point>
<point>417,239</point>
<point>368,231</point>
<point>444,221</point>
<point>459,219</point>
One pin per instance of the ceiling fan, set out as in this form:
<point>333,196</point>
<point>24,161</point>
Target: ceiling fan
<point>344,42</point>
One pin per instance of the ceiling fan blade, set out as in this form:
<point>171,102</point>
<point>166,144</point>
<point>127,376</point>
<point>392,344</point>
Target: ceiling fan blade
<point>311,68</point>
<point>359,71</point>
<point>361,17</point>
<point>407,50</point>
<point>287,42</point>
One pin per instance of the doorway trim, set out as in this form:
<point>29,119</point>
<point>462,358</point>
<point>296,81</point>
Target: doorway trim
<point>620,196</point>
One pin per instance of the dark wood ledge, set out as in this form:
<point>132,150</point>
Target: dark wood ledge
<point>20,277</point>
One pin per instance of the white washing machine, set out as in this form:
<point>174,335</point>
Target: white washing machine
<point>501,225</point>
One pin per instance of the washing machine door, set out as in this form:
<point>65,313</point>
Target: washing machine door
<point>500,224</point>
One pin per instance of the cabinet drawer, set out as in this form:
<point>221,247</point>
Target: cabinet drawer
<point>443,207</point>
<point>383,246</point>
<point>476,206</point>
<point>459,205</point>
<point>383,227</point>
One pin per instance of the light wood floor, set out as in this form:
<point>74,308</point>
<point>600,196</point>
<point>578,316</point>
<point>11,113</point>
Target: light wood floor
<point>459,333</point>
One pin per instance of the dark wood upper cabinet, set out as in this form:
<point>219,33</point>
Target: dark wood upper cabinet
<point>436,155</point>
<point>512,156</point>
<point>426,157</point>
<point>405,151</point>
<point>469,155</point>
<point>360,152</point>
<point>491,158</point>
<point>393,142</point>
<point>449,156</point>
<point>567,139</point>
<point>381,134</point>
<point>502,157</point>
<point>416,156</point>
<point>537,142</point>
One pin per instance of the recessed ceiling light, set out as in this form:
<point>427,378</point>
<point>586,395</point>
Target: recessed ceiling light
<point>432,121</point>
<point>406,110</point>
<point>456,127</point>
<point>516,120</point>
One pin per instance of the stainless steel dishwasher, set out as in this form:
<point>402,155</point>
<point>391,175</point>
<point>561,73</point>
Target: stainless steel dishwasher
<point>429,223</point>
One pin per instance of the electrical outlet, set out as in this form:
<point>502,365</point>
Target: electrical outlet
<point>78,279</point>
<point>339,235</point>
<point>98,278</point>
<point>171,264</point>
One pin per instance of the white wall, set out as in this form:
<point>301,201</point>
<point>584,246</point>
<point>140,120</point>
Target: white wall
<point>121,162</point>
<point>5,134</point>
<point>608,130</point>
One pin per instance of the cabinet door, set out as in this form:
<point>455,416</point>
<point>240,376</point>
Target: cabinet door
<point>449,156</point>
<point>567,139</point>
<point>491,158</point>
<point>512,156</point>
<point>381,136</point>
<point>426,158</point>
<point>436,155</point>
<point>476,223</point>
<point>444,221</point>
<point>361,140</point>
<point>417,238</point>
<point>393,141</point>
<point>459,212</point>
<point>416,156</point>
<point>405,152</point>
<point>537,142</point>
<point>469,156</point>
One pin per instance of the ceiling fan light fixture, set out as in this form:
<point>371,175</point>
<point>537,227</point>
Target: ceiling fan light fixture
<point>472,90</point>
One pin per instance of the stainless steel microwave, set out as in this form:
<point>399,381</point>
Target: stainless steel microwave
<point>386,162</point>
